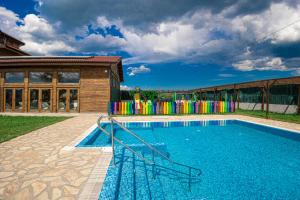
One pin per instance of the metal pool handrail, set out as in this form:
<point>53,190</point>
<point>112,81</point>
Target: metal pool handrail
<point>147,144</point>
<point>121,142</point>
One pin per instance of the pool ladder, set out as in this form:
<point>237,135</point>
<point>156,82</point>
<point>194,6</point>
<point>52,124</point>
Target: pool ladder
<point>152,148</point>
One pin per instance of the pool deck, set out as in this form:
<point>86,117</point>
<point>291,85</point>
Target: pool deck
<point>41,164</point>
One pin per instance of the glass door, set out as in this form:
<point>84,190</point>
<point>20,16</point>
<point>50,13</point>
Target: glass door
<point>74,100</point>
<point>68,100</point>
<point>46,100</point>
<point>40,99</point>
<point>34,99</point>
<point>62,100</point>
<point>13,98</point>
<point>19,100</point>
<point>8,99</point>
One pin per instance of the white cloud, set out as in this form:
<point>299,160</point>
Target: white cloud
<point>261,64</point>
<point>8,20</point>
<point>36,24</point>
<point>132,71</point>
<point>125,87</point>
<point>46,48</point>
<point>38,35</point>
<point>195,37</point>
<point>226,75</point>
<point>296,72</point>
<point>262,25</point>
<point>244,65</point>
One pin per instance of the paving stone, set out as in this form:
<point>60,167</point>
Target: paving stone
<point>23,195</point>
<point>70,190</point>
<point>11,189</point>
<point>56,193</point>
<point>43,196</point>
<point>38,187</point>
<point>6,174</point>
<point>79,181</point>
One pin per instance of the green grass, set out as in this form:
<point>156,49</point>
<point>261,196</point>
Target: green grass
<point>14,126</point>
<point>275,116</point>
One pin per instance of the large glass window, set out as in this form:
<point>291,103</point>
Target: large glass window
<point>14,77</point>
<point>19,99</point>
<point>34,99</point>
<point>62,100</point>
<point>68,77</point>
<point>73,100</point>
<point>8,99</point>
<point>46,99</point>
<point>40,77</point>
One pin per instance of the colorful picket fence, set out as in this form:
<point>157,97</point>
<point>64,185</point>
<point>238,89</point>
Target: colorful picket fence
<point>170,108</point>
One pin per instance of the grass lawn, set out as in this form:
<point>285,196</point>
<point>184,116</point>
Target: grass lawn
<point>275,116</point>
<point>14,126</point>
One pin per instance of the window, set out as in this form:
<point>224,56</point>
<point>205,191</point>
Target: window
<point>68,77</point>
<point>19,99</point>
<point>14,77</point>
<point>34,99</point>
<point>40,77</point>
<point>73,100</point>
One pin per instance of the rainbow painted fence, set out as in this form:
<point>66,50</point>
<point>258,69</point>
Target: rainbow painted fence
<point>170,108</point>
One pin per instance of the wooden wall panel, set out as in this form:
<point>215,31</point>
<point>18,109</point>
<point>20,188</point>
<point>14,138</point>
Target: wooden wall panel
<point>94,89</point>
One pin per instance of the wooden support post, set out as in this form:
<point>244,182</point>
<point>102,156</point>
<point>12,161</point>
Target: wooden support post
<point>215,94</point>
<point>1,91</point>
<point>267,99</point>
<point>234,97</point>
<point>298,99</point>
<point>238,99</point>
<point>200,95</point>
<point>54,92</point>
<point>26,92</point>
<point>263,99</point>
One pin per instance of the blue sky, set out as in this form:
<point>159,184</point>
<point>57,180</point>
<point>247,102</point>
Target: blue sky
<point>190,45</point>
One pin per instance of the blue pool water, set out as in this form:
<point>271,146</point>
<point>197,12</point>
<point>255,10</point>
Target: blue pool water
<point>236,160</point>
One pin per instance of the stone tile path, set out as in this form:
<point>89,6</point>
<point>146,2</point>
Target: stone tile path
<point>37,166</point>
<point>34,166</point>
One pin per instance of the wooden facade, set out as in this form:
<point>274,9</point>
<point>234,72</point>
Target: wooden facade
<point>98,83</point>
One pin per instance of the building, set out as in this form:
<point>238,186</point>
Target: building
<point>59,83</point>
<point>10,46</point>
<point>280,95</point>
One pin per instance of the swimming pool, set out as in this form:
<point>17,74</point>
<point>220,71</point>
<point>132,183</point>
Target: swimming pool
<point>237,159</point>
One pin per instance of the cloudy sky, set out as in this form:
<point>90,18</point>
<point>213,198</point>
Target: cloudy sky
<point>170,44</point>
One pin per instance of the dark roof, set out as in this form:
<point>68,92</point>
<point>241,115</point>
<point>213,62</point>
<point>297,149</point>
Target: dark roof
<point>294,80</point>
<point>15,51</point>
<point>12,38</point>
<point>49,60</point>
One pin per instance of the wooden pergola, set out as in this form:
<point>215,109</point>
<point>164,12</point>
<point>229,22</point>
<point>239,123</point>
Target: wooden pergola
<point>264,85</point>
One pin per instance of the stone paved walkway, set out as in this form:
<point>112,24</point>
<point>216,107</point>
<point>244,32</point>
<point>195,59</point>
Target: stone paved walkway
<point>36,166</point>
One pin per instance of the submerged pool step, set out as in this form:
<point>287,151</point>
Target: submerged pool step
<point>133,178</point>
<point>127,182</point>
<point>171,179</point>
<point>166,180</point>
<point>136,182</point>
